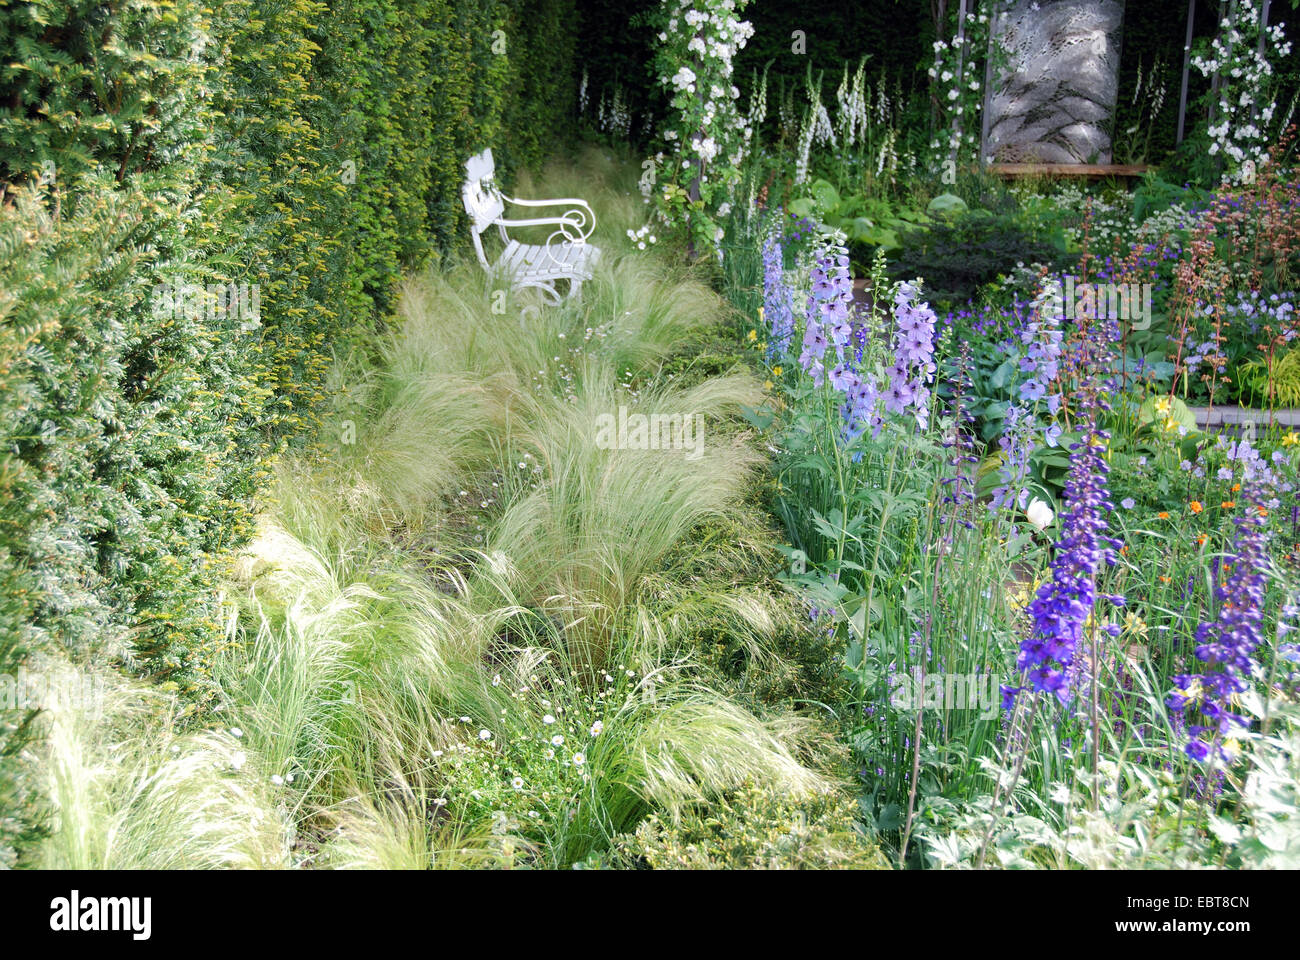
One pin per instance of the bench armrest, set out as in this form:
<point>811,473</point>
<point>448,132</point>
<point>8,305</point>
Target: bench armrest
<point>573,229</point>
<point>579,214</point>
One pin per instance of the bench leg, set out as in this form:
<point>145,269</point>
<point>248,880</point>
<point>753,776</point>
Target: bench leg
<point>549,294</point>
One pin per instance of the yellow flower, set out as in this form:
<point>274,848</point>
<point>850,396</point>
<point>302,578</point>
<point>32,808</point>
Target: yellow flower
<point>753,335</point>
<point>767,384</point>
<point>1290,440</point>
<point>1020,594</point>
<point>1164,405</point>
<point>1135,625</point>
<point>776,371</point>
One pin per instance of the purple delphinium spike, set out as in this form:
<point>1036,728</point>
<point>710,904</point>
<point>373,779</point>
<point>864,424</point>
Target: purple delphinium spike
<point>913,369</point>
<point>1062,605</point>
<point>778,299</point>
<point>1226,644</point>
<point>828,311</point>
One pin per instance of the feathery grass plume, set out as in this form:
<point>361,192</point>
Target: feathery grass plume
<point>634,313</point>
<point>658,740</point>
<point>689,744</point>
<point>396,834</point>
<point>344,658</point>
<point>598,520</point>
<point>125,790</point>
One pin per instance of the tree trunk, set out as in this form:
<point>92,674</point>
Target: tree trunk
<point>1187,63</point>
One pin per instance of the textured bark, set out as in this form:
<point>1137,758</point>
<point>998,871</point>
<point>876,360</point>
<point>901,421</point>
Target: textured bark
<point>1054,102</point>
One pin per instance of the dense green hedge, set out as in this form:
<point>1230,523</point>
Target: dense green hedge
<point>311,151</point>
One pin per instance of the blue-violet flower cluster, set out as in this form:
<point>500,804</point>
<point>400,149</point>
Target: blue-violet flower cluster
<point>1063,605</point>
<point>778,300</point>
<point>1226,644</point>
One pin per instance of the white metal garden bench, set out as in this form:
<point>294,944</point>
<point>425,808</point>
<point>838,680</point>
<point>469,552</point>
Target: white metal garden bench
<point>566,255</point>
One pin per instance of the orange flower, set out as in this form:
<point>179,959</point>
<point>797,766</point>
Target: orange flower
<point>1124,550</point>
<point>1263,511</point>
<point>1164,579</point>
<point>1236,488</point>
<point>1228,504</point>
<point>1163,514</point>
<point>1200,540</point>
<point>1196,506</point>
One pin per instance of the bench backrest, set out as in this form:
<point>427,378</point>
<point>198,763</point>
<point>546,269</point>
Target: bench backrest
<point>483,201</point>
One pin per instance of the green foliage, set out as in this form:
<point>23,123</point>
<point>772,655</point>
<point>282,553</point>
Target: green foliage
<point>308,153</point>
<point>865,221</point>
<point>958,255</point>
<point>756,828</point>
<point>181,145</point>
<point>1274,383</point>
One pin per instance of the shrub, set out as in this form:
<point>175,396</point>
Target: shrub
<point>225,153</point>
<point>238,143</point>
<point>959,256</point>
<point>757,828</point>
